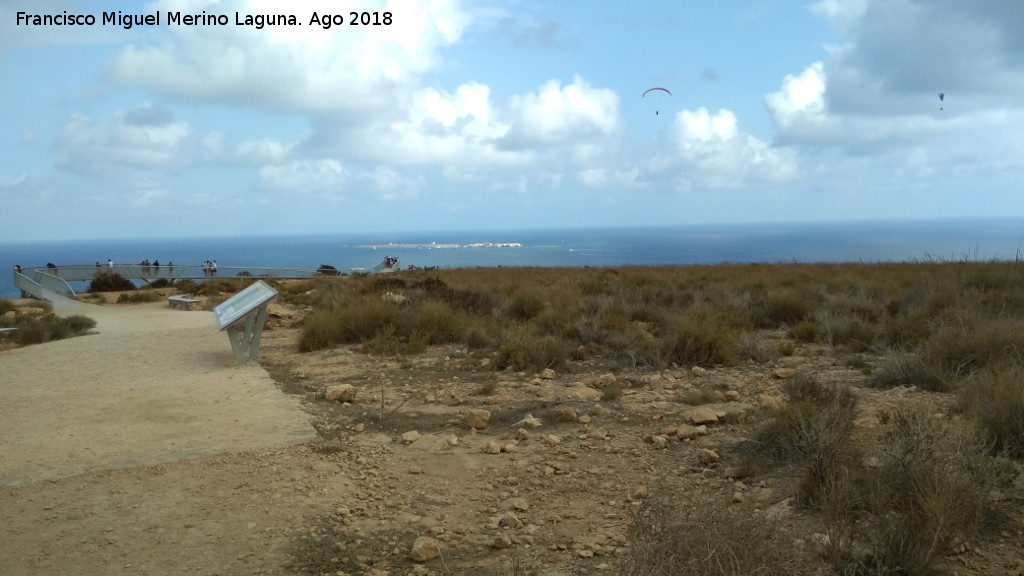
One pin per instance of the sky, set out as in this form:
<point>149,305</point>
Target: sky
<point>504,114</point>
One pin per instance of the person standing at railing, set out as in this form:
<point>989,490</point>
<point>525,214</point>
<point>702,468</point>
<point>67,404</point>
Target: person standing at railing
<point>110,264</point>
<point>17,271</point>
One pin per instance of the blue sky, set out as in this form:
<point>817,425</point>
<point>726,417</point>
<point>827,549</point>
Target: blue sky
<point>508,114</point>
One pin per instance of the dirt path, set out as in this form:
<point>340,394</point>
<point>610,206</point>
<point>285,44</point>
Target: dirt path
<point>151,385</point>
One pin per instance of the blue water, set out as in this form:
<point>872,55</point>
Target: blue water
<point>879,241</point>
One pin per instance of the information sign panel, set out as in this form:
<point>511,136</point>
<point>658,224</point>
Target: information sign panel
<point>240,305</point>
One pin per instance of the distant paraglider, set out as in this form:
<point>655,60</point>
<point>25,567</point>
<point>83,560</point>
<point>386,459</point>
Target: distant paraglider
<point>942,97</point>
<point>649,90</point>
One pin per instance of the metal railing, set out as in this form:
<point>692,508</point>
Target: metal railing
<point>45,283</point>
<point>174,272</point>
<point>43,286</point>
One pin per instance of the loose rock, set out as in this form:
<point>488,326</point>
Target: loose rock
<point>425,548</point>
<point>478,419</point>
<point>706,456</point>
<point>702,415</point>
<point>342,393</point>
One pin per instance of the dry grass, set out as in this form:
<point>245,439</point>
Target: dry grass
<point>670,538</point>
<point>936,326</point>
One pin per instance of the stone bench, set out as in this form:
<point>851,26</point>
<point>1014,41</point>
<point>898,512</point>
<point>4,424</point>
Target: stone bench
<point>183,303</point>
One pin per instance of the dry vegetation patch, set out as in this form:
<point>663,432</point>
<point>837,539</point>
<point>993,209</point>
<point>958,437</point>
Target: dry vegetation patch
<point>845,419</point>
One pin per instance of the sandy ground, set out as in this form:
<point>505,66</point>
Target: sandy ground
<point>150,385</point>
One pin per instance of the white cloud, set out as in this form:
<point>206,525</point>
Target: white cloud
<point>295,68</point>
<point>557,114</point>
<point>709,150</point>
<point>262,151</point>
<point>801,100</point>
<point>605,177</point>
<point>133,137</point>
<point>390,185</point>
<point>322,178</point>
<point>438,128</point>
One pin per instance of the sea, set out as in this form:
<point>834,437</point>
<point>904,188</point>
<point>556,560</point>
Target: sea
<point>704,244</point>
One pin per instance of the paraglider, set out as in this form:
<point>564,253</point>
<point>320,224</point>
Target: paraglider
<point>942,97</point>
<point>644,95</point>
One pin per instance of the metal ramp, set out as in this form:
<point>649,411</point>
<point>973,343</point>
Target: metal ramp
<point>44,286</point>
<point>387,266</point>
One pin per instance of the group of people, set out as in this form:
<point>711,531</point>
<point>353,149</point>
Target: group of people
<point>210,268</point>
<point>154,267</point>
<point>390,261</point>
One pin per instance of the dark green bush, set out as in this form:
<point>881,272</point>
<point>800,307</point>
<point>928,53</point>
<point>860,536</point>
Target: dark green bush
<point>110,282</point>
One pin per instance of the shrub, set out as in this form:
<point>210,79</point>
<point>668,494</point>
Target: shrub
<point>994,399</point>
<point>904,369</point>
<point>222,286</point>
<point>467,301</point>
<point>904,331</point>
<point>79,324</point>
<point>187,287</point>
<point>848,330</point>
<point>5,306</point>
<point>696,337</point>
<point>138,297</point>
<point>49,327</point>
<point>931,490</point>
<point>811,430</point>
<point>668,539</point>
<point>110,282</point>
<point>785,307</point>
<point>436,321</point>
<point>477,338</point>
<point>327,270</point>
<point>317,332</point>
<point>386,343</point>
<point>970,341</point>
<point>807,331</point>
<point>524,307</point>
<point>751,346</point>
<point>527,352</point>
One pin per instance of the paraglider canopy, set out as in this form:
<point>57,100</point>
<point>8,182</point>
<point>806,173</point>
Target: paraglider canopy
<point>644,95</point>
<point>942,97</point>
<point>655,89</point>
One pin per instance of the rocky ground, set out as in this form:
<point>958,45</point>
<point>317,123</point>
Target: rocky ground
<point>541,473</point>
